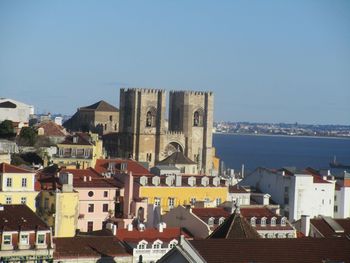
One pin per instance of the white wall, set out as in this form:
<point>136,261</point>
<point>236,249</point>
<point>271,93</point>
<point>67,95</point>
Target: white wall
<point>19,114</point>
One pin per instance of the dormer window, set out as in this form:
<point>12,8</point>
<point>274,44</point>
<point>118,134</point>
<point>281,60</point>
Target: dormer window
<point>24,239</point>
<point>253,221</point>
<point>263,221</point>
<point>211,221</point>
<point>142,244</point>
<point>75,139</point>
<point>157,244</point>
<point>283,221</point>
<point>221,220</point>
<point>191,181</point>
<point>156,180</point>
<point>205,181</point>
<point>173,243</point>
<point>273,221</point>
<point>40,239</point>
<point>143,180</point>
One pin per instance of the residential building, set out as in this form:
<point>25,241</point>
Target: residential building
<point>297,192</point>
<point>118,166</point>
<point>91,249</point>
<point>200,222</point>
<point>7,146</point>
<point>168,192</point>
<point>267,223</point>
<point>17,186</point>
<point>24,236</point>
<point>150,244</point>
<point>239,195</point>
<point>15,111</point>
<point>80,150</point>
<point>288,250</point>
<point>342,197</point>
<point>51,131</point>
<point>97,196</point>
<point>165,170</point>
<point>58,202</point>
<point>100,117</point>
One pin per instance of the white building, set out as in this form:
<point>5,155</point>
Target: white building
<point>297,192</point>
<point>15,111</point>
<point>342,197</point>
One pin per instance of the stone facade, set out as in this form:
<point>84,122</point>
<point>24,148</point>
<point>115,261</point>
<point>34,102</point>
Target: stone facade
<point>142,125</point>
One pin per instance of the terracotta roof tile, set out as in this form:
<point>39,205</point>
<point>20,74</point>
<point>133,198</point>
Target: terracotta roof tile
<point>52,129</point>
<point>100,106</point>
<point>84,247</point>
<point>20,217</point>
<point>288,250</point>
<point>8,168</point>
<point>103,165</point>
<point>237,189</point>
<point>152,234</point>
<point>327,231</point>
<point>176,158</point>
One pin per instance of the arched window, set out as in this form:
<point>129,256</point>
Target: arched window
<point>151,117</point>
<point>157,244</point>
<point>253,221</point>
<point>198,118</point>
<point>263,221</point>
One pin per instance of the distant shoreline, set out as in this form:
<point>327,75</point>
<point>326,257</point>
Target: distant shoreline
<point>282,135</point>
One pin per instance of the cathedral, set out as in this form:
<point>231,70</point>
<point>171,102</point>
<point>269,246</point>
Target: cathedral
<point>146,136</point>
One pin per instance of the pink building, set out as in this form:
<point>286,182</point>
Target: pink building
<point>97,195</point>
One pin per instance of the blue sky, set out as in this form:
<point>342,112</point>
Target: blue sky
<point>266,61</point>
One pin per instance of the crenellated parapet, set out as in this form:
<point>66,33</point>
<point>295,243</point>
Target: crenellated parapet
<point>142,90</point>
<point>191,92</point>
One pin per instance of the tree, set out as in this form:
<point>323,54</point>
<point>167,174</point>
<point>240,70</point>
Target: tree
<point>6,129</point>
<point>27,136</point>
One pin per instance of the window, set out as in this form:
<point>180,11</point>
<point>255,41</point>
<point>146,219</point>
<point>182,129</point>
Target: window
<point>41,239</point>
<point>193,201</point>
<point>7,240</point>
<point>24,239</point>
<point>273,221</point>
<point>149,119</point>
<point>105,194</point>
<point>253,221</point>
<point>323,201</point>
<point>91,193</point>
<point>335,208</point>
<point>105,207</point>
<point>335,198</point>
<point>283,221</point>
<point>172,244</point>
<point>206,200</point>
<point>23,200</point>
<point>24,182</point>
<point>105,126</point>
<point>142,245</point>
<point>110,117</point>
<point>211,221</point>
<point>263,221</point>
<point>157,201</point>
<point>9,182</point>
<point>171,202</point>
<point>8,200</point>
<point>90,226</point>
<point>157,245</point>
<point>91,208</point>
<point>218,201</point>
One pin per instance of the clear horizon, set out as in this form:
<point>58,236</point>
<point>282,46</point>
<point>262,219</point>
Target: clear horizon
<point>268,61</point>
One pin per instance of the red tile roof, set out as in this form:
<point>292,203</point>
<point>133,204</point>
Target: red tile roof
<point>86,247</point>
<point>152,234</point>
<point>83,139</point>
<point>288,250</point>
<point>257,212</point>
<point>210,212</point>
<point>102,166</point>
<point>8,168</point>
<point>20,217</point>
<point>52,129</point>
<point>327,231</point>
<point>237,189</point>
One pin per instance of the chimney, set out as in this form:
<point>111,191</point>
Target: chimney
<point>84,178</point>
<point>90,178</point>
<point>130,227</point>
<point>161,226</point>
<point>305,225</point>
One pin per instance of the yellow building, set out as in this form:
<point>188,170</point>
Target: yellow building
<point>171,191</point>
<point>17,186</point>
<point>216,163</point>
<point>80,151</point>
<point>59,208</point>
